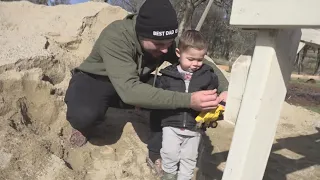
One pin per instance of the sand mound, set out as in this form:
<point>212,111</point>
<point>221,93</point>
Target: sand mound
<point>39,46</point>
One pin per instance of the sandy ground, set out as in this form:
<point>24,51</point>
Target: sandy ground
<point>39,46</point>
<point>294,155</point>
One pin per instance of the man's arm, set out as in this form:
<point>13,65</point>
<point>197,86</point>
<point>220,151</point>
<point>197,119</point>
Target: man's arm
<point>123,74</point>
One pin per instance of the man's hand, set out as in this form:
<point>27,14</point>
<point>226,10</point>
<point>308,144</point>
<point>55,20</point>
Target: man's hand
<point>204,100</point>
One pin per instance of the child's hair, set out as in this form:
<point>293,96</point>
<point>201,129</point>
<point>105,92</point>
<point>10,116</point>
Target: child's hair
<point>192,39</point>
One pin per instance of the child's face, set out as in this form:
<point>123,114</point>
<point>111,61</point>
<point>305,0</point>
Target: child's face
<point>191,58</point>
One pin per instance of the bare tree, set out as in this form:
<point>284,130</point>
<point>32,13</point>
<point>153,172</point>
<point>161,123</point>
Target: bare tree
<point>185,10</point>
<point>204,15</point>
<point>317,68</point>
<point>301,57</point>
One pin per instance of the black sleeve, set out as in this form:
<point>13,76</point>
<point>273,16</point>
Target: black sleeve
<point>223,81</point>
<point>161,82</point>
<point>214,83</point>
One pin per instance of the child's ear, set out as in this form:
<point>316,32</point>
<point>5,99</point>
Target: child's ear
<point>178,52</point>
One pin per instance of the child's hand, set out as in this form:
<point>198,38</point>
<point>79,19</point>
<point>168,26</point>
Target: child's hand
<point>223,96</point>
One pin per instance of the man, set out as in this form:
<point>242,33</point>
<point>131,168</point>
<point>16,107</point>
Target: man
<point>120,64</point>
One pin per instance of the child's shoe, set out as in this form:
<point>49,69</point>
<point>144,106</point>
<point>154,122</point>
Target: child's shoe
<point>77,139</point>
<point>155,166</point>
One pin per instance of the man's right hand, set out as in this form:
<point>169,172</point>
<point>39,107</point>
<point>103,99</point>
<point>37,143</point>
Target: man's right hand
<point>204,100</point>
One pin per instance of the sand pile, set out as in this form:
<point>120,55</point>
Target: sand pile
<point>39,46</point>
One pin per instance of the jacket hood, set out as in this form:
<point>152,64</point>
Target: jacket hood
<point>173,71</point>
<point>131,29</point>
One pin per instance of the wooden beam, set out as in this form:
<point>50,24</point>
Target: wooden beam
<point>270,70</point>
<point>275,14</point>
<point>237,83</point>
<point>311,36</point>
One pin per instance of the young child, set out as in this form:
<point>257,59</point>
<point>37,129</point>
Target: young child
<point>181,136</point>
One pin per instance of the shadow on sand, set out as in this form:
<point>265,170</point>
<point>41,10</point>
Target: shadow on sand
<point>305,147</point>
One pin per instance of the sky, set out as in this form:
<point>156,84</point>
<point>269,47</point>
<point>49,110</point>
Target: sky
<point>77,1</point>
<point>110,2</point>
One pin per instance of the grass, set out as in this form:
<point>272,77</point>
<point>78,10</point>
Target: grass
<point>302,81</point>
<point>313,108</point>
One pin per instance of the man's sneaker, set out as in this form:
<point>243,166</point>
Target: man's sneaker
<point>77,138</point>
<point>156,166</point>
<point>167,176</point>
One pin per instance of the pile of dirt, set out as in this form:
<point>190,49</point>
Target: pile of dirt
<point>39,47</point>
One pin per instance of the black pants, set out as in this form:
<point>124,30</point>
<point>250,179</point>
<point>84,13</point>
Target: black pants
<point>89,96</point>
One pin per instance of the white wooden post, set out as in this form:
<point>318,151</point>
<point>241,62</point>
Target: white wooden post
<point>239,74</point>
<point>264,95</point>
<point>237,84</point>
<point>311,36</point>
<point>275,14</point>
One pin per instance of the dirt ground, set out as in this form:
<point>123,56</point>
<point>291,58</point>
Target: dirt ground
<point>34,140</point>
<point>304,93</point>
<point>34,137</point>
<point>295,152</point>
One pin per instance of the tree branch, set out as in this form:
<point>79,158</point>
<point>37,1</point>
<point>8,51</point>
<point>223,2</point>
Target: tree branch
<point>198,2</point>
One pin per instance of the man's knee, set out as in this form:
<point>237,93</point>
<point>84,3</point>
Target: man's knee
<point>82,118</point>
<point>87,98</point>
